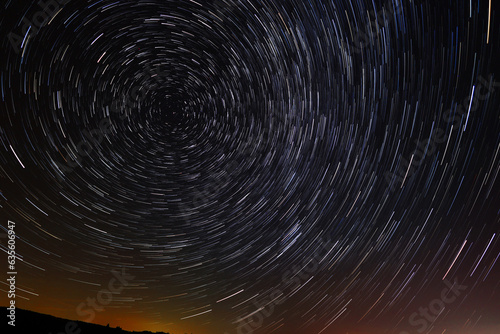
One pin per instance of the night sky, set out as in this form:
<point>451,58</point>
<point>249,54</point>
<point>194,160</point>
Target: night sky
<point>253,166</point>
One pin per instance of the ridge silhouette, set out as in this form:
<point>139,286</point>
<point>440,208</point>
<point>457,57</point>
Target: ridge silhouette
<point>38,323</point>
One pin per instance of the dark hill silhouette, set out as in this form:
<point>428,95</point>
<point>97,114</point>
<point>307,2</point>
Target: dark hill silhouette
<point>29,322</point>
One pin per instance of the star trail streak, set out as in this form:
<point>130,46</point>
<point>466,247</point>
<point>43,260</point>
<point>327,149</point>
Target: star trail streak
<point>254,166</point>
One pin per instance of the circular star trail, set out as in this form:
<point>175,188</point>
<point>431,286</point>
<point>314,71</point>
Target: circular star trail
<point>256,166</point>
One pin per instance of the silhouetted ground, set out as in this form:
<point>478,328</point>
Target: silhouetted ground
<point>29,322</point>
